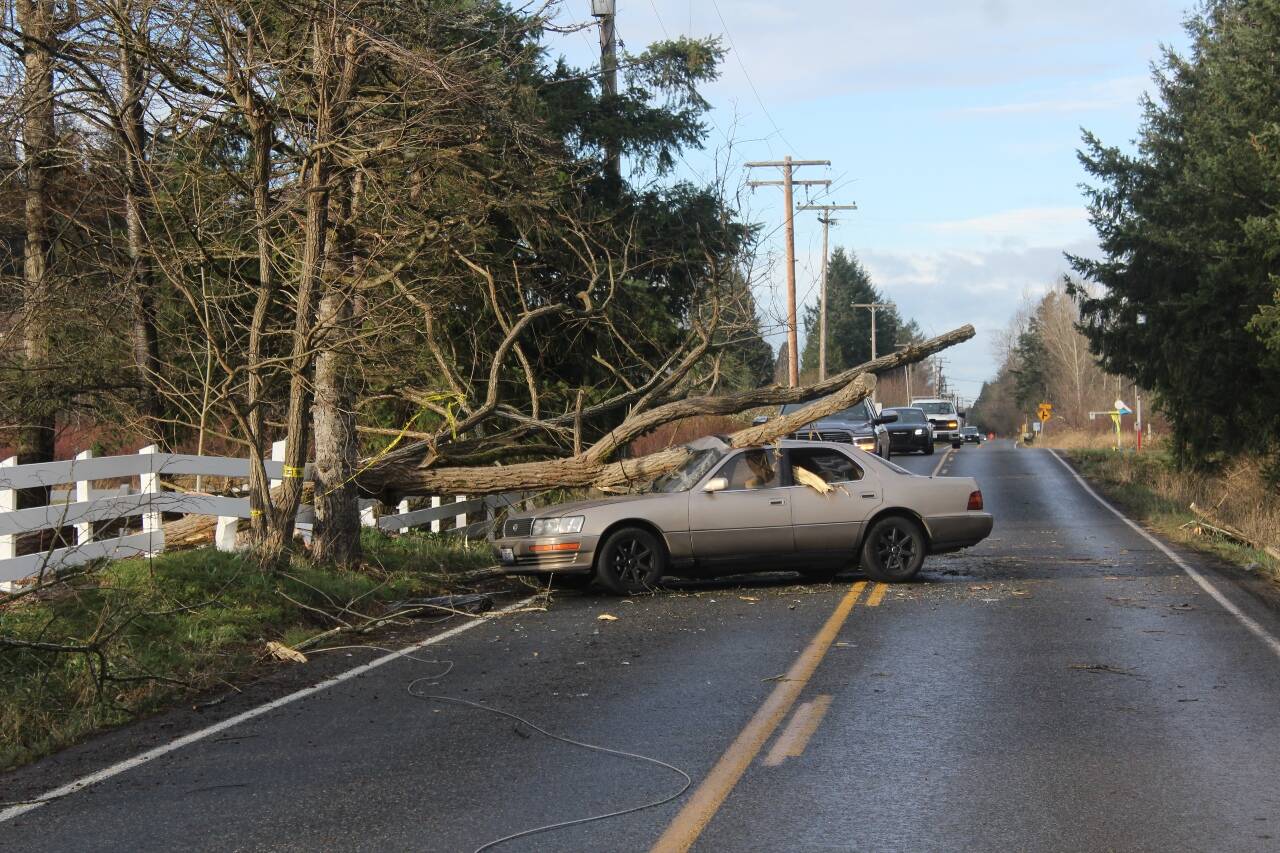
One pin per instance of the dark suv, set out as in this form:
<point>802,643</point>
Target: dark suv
<point>857,425</point>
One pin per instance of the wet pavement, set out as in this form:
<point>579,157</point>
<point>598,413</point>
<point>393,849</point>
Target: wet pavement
<point>1061,686</point>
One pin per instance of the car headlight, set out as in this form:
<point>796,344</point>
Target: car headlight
<point>558,526</point>
<point>919,432</point>
<point>952,425</point>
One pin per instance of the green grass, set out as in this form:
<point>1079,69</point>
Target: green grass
<point>1150,488</point>
<point>180,624</point>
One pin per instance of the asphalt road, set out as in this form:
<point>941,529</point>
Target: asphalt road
<point>1062,686</point>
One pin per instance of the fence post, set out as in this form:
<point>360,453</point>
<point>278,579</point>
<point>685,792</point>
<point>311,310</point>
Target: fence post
<point>84,530</point>
<point>460,521</point>
<point>8,503</point>
<point>402,508</point>
<point>369,515</point>
<point>224,537</point>
<point>149,484</point>
<point>277,455</point>
<point>436,501</point>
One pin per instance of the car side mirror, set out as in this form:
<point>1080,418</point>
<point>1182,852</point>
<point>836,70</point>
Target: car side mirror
<point>887,418</point>
<point>716,484</point>
<point>759,419</point>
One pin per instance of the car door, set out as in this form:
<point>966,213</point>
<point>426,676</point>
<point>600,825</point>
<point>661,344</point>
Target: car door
<point>752,516</point>
<point>830,521</point>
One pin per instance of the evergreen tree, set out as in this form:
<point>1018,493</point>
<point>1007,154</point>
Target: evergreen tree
<point>1191,236</point>
<point>849,328</point>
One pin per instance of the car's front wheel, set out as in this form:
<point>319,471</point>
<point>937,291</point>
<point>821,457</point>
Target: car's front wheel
<point>893,551</point>
<point>631,560</point>
<point>928,447</point>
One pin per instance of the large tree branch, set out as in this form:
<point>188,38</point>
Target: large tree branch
<point>393,479</point>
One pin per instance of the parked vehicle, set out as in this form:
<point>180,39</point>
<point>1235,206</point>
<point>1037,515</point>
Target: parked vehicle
<point>971,435</point>
<point>812,507</point>
<point>911,432</point>
<point>858,425</point>
<point>944,416</point>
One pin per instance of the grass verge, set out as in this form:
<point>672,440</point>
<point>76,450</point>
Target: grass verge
<point>136,636</point>
<point>1151,489</point>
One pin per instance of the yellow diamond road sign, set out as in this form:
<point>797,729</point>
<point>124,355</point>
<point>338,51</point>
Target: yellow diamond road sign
<point>1044,412</point>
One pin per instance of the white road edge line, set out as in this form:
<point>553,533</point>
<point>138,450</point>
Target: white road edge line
<point>187,739</point>
<point>942,461</point>
<point>1243,618</point>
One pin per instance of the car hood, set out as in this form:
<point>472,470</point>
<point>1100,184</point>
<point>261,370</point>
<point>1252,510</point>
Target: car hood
<point>579,507</point>
<point>898,426</point>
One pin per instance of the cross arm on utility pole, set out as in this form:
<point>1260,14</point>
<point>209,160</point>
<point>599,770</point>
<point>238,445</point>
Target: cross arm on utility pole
<point>826,208</point>
<point>794,183</point>
<point>759,164</point>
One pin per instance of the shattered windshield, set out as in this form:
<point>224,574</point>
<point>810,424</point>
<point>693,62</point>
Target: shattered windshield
<point>682,479</point>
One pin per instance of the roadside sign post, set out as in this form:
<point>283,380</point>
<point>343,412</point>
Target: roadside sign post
<point>1044,411</point>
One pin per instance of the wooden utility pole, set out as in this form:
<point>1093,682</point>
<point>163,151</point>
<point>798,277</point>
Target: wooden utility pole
<point>826,221</point>
<point>873,306</point>
<point>787,165</point>
<point>606,11</point>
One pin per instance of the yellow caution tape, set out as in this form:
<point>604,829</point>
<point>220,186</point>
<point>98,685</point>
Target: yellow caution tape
<point>293,473</point>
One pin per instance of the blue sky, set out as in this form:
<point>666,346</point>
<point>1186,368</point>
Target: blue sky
<point>952,125</point>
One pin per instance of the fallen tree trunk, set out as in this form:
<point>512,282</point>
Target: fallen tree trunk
<point>393,479</point>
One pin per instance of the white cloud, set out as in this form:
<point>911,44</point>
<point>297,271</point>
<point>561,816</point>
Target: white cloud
<point>1121,93</point>
<point>1022,227</point>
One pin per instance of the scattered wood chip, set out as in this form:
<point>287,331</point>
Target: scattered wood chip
<point>748,598</point>
<point>606,617</point>
<point>1182,607</point>
<point>280,651</point>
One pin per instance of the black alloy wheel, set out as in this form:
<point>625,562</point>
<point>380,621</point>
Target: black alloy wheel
<point>894,550</point>
<point>632,560</point>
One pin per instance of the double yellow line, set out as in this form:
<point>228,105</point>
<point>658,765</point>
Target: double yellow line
<point>722,779</point>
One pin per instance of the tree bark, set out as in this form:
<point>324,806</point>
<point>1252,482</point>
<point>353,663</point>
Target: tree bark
<point>137,200</point>
<point>333,60</point>
<point>39,140</point>
<point>336,538</point>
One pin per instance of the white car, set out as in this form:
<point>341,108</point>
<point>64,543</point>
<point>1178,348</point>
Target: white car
<point>944,417</point>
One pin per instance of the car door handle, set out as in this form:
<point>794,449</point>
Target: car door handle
<point>869,494</point>
<point>777,502</point>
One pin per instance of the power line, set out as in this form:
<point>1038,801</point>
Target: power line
<point>745,73</point>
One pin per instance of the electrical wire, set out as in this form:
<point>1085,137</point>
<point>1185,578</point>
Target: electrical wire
<point>467,703</point>
<point>525,833</point>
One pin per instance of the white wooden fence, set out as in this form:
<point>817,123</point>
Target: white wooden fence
<point>81,507</point>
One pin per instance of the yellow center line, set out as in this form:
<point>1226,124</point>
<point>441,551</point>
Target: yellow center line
<point>877,594</point>
<point>943,461</point>
<point>795,737</point>
<point>711,794</point>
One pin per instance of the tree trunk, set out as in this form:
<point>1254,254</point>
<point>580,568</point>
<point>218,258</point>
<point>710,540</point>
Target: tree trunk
<point>137,200</point>
<point>333,60</point>
<point>336,538</point>
<point>39,140</point>
<point>259,485</point>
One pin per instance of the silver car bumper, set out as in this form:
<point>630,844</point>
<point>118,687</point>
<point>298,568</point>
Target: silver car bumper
<point>953,532</point>
<point>517,556</point>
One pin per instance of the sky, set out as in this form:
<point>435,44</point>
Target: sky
<point>952,125</point>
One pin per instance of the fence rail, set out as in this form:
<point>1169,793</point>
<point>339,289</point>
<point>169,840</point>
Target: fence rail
<point>86,508</point>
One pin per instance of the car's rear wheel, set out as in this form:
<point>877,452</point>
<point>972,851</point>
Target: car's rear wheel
<point>893,551</point>
<point>631,560</point>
